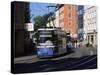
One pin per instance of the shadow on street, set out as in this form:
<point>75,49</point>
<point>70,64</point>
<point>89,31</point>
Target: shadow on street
<point>86,62</point>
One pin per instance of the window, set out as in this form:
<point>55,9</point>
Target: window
<point>61,16</point>
<point>92,38</point>
<point>69,15</point>
<point>88,39</point>
<point>69,23</point>
<point>69,7</point>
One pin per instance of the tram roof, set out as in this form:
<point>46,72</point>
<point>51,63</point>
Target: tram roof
<point>47,29</point>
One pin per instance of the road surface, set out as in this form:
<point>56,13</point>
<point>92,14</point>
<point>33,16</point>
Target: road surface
<point>79,58</point>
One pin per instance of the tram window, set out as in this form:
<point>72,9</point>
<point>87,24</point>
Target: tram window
<point>59,40</point>
<point>44,39</point>
<point>55,39</point>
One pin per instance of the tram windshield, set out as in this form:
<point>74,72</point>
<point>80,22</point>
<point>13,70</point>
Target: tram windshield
<point>45,37</point>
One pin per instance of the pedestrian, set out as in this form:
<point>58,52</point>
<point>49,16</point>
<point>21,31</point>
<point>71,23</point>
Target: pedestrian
<point>78,44</point>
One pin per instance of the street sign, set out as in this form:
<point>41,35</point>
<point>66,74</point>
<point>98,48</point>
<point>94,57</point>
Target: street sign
<point>29,26</point>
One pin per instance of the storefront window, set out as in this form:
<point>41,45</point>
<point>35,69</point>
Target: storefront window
<point>92,38</point>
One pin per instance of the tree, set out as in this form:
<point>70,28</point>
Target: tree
<point>41,21</point>
<point>37,22</point>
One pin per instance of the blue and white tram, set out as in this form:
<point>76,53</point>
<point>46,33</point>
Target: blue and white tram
<point>51,42</point>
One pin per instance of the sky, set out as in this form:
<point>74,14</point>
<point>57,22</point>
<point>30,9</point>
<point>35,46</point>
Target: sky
<point>37,8</point>
<point>40,8</point>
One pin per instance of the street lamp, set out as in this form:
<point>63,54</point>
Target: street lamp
<point>94,36</point>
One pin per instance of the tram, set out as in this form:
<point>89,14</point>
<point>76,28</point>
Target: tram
<point>51,42</point>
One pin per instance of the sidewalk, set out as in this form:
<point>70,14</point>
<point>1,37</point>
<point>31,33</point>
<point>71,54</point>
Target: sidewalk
<point>24,59</point>
<point>90,50</point>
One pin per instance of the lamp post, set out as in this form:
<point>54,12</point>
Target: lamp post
<point>94,31</point>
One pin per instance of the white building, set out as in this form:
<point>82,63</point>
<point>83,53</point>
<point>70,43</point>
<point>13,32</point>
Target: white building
<point>57,18</point>
<point>90,24</point>
<point>55,21</point>
<point>51,23</point>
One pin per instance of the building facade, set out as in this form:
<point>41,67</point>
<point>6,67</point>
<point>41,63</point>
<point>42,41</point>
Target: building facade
<point>90,25</point>
<point>52,21</point>
<point>67,18</point>
<point>79,20</point>
<point>57,18</point>
<point>19,16</point>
